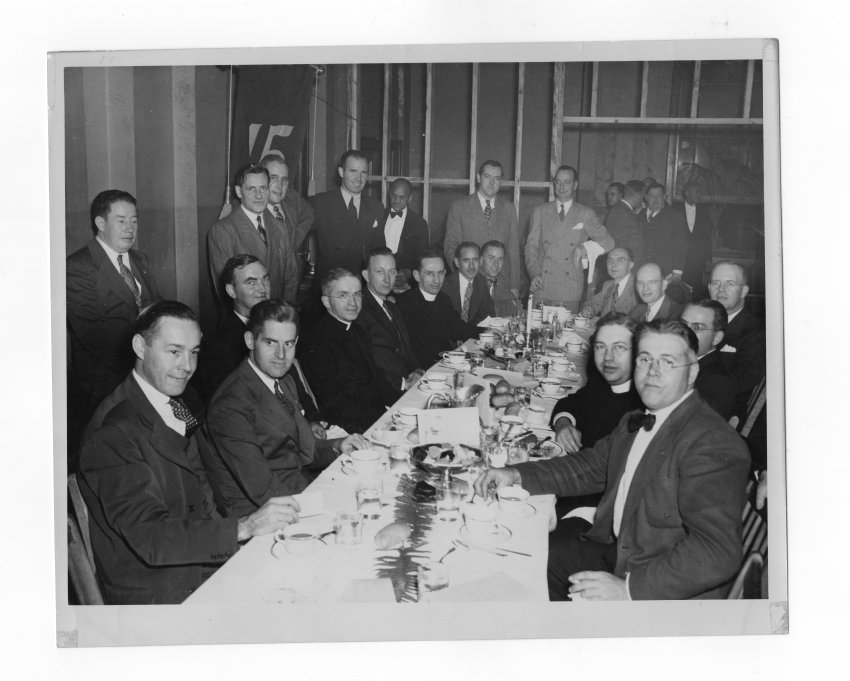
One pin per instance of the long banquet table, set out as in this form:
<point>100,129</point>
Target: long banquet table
<point>264,573</point>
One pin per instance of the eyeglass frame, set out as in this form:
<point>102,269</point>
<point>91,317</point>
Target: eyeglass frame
<point>617,349</point>
<point>345,295</point>
<point>665,364</point>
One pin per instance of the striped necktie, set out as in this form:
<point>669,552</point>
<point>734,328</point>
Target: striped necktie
<point>467,297</point>
<point>278,213</point>
<point>262,230</point>
<point>130,280</point>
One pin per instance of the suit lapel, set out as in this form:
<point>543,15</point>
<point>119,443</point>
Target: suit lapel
<point>109,281</point>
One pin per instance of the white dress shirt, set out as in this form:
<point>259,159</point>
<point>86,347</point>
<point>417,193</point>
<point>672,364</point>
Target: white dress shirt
<point>393,229</point>
<point>347,196</point>
<point>483,201</point>
<point>653,309</point>
<point>566,205</point>
<point>112,254</point>
<point>463,284</point>
<point>621,285</point>
<point>691,215</point>
<point>252,216</point>
<point>264,377</point>
<point>159,401</point>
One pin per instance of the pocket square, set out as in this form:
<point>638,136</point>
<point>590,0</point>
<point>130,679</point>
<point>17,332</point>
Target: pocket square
<point>728,348</point>
<point>580,225</point>
<point>374,224</point>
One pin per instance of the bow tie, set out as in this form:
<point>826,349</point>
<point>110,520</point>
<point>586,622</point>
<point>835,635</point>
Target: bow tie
<point>396,213</point>
<point>645,421</point>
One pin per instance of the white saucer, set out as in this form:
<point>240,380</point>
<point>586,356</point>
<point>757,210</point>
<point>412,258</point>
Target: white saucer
<point>502,534</point>
<point>527,510</point>
<point>465,366</point>
<point>434,391</point>
<point>387,443</point>
<point>572,376</point>
<point>554,451</point>
<point>537,392</point>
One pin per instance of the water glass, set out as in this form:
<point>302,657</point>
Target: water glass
<point>348,527</point>
<point>450,495</point>
<point>369,492</point>
<point>488,439</point>
<point>431,577</point>
<point>400,458</point>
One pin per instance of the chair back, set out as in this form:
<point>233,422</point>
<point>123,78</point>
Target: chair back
<point>81,566</point>
<point>81,511</point>
<point>748,583</point>
<point>754,407</point>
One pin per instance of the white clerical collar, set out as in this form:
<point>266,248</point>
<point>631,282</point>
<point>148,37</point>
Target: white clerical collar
<point>483,201</point>
<point>252,216</point>
<point>264,377</point>
<point>430,297</point>
<point>628,204</point>
<point>653,309</point>
<point>341,321</point>
<point>621,388</point>
<point>347,196</point>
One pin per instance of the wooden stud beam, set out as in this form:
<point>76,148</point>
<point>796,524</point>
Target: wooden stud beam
<point>385,131</point>
<point>558,121</point>
<point>426,192</point>
<point>656,120</point>
<point>644,89</point>
<point>695,90</point>
<point>353,94</point>
<point>520,104</point>
<point>473,132</point>
<point>748,90</point>
<point>594,92</point>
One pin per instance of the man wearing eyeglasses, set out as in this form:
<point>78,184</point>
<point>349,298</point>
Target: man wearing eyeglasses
<point>287,206</point>
<point>707,319</point>
<point>251,229</point>
<point>651,286</point>
<point>337,359</point>
<point>673,479</point>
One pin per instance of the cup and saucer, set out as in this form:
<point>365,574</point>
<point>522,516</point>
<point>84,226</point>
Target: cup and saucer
<point>480,526</point>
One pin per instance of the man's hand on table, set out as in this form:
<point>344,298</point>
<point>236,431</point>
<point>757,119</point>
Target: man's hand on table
<point>567,435</point>
<point>415,375</point>
<point>587,311</point>
<point>318,430</point>
<point>271,516</point>
<point>352,442</point>
<point>496,478</point>
<point>598,586</point>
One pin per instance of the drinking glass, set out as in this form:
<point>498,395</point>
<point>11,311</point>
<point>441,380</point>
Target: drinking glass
<point>400,458</point>
<point>369,492</point>
<point>348,527</point>
<point>431,577</point>
<point>450,496</point>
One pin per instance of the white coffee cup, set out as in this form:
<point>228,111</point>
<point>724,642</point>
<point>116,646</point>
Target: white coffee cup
<point>574,348</point>
<point>581,322</point>
<point>512,499</point>
<point>480,520</point>
<point>558,364</point>
<point>406,416</point>
<point>455,357</point>
<point>364,461</point>
<point>550,386</point>
<point>298,538</point>
<point>536,415</point>
<point>435,381</point>
<point>389,435</point>
<point>487,339</point>
<point>508,422</point>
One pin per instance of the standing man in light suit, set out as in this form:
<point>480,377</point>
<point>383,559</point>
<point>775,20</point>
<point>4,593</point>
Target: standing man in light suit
<point>482,217</point>
<point>252,229</point>
<point>555,245</point>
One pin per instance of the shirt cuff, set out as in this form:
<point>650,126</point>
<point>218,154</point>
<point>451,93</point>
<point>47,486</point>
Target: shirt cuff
<point>563,414</point>
<point>628,593</point>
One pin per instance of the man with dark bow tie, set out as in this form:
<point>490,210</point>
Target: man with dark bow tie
<point>673,480</point>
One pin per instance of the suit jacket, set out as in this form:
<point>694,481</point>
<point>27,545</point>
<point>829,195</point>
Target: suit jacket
<point>626,230</point>
<point>261,449</point>
<point>235,234</point>
<point>550,245</point>
<point>715,384</point>
<point>480,305</point>
<point>352,393</point>
<point>434,327</point>
<point>100,313</point>
<point>299,217</point>
<point>669,309</point>
<point>154,528</point>
<point>744,354</point>
<point>666,239</point>
<point>680,535</point>
<point>603,302</point>
<point>414,239</point>
<point>505,303</point>
<point>466,222</point>
<point>699,247</point>
<point>341,242</point>
<point>389,340</point>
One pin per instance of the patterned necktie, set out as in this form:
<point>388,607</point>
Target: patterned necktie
<point>285,401</point>
<point>488,211</point>
<point>352,210</point>
<point>616,295</point>
<point>387,311</point>
<point>262,230</point>
<point>491,285</point>
<point>561,212</point>
<point>182,412</point>
<point>637,421</point>
<point>278,213</point>
<point>467,296</point>
<point>130,280</point>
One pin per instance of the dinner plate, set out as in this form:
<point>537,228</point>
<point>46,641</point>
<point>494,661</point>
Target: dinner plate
<point>489,540</point>
<point>549,450</point>
<point>573,376</point>
<point>433,391</point>
<point>388,443</point>
<point>419,455</point>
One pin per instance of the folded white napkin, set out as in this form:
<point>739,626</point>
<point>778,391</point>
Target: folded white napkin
<point>594,250</point>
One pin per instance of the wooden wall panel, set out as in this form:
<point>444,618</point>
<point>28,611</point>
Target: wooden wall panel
<point>78,228</point>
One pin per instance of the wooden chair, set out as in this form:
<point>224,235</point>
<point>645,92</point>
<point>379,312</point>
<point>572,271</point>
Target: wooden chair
<point>81,566</point>
<point>751,581</point>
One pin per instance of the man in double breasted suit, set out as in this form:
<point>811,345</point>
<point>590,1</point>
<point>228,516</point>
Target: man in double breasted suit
<point>155,531</point>
<point>554,249</point>
<point>405,233</point>
<point>252,229</point>
<point>263,445</point>
<point>673,480</point>
<point>348,222</point>
<point>483,217</point>
<point>466,287</point>
<point>384,324</point>
<point>107,283</point>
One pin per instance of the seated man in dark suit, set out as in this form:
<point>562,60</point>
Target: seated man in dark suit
<point>155,532</point>
<point>673,482</point>
<point>715,384</point>
<point>651,288</point>
<point>505,303</point>
<point>618,292</point>
<point>337,359</point>
<point>246,283</point>
<point>265,448</point>
<point>405,233</point>
<point>466,287</point>
<point>107,283</point>
<point>433,324</point>
<point>744,351</point>
<point>383,323</point>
